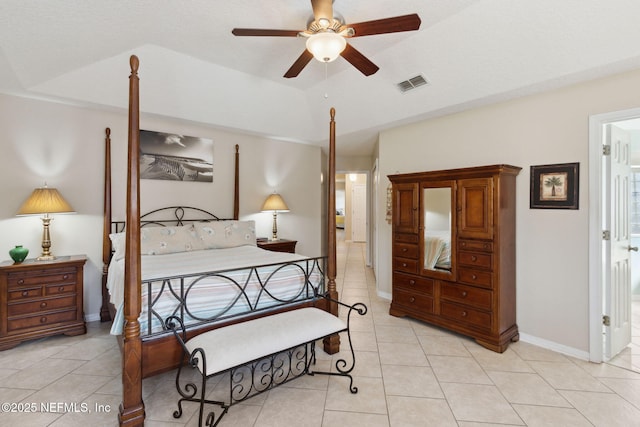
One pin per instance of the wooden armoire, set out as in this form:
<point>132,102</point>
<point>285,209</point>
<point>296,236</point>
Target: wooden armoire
<point>454,260</point>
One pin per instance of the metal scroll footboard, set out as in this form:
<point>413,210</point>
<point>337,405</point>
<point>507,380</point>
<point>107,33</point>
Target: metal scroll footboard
<point>234,293</point>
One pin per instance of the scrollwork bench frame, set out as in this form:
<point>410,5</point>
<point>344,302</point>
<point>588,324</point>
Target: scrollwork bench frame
<point>258,354</point>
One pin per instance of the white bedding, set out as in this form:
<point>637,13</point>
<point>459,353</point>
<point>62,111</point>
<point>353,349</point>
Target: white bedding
<point>236,292</point>
<point>437,250</point>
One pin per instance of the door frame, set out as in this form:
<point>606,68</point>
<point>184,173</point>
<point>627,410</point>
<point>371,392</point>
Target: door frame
<point>596,268</point>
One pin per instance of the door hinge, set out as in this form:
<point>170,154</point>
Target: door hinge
<point>606,320</point>
<point>606,150</point>
<point>606,235</point>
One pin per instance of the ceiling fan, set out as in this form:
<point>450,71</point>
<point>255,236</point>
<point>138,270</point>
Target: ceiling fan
<point>326,35</point>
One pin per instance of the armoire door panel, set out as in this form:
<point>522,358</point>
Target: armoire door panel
<point>405,208</point>
<point>475,210</point>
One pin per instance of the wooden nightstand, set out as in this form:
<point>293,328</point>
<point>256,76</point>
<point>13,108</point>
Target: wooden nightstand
<point>280,245</point>
<point>41,298</point>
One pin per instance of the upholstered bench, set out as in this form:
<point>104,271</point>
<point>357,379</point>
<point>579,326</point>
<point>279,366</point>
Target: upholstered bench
<point>258,354</point>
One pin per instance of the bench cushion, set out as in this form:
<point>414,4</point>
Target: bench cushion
<point>238,344</point>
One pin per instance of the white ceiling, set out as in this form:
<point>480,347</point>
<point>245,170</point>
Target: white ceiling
<point>472,52</point>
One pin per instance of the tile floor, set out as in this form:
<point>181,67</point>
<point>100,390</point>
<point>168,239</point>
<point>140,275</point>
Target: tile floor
<point>408,374</point>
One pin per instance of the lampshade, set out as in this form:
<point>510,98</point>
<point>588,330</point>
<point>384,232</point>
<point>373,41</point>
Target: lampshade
<point>326,46</point>
<point>274,203</point>
<point>45,200</point>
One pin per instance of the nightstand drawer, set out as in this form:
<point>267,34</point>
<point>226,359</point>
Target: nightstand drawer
<point>42,319</point>
<point>23,293</point>
<point>39,277</point>
<point>42,305</point>
<point>59,289</point>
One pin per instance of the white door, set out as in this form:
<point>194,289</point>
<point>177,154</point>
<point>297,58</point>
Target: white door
<point>617,271</point>
<point>359,213</point>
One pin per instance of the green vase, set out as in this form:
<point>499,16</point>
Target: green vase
<point>18,254</point>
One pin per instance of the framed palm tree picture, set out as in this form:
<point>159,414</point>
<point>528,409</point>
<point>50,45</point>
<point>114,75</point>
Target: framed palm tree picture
<point>555,186</point>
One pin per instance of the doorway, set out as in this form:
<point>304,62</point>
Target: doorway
<point>613,232</point>
<point>353,207</point>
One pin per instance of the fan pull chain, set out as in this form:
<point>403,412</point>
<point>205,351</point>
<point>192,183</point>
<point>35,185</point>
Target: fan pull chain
<point>326,79</point>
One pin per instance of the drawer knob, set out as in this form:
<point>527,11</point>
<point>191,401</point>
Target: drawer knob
<point>20,281</point>
<point>474,277</point>
<point>65,277</point>
<point>464,314</point>
<point>25,293</point>
<point>404,249</point>
<point>404,264</point>
<point>464,294</point>
<point>486,246</point>
<point>61,289</point>
<point>43,319</point>
<point>412,282</point>
<point>474,258</point>
<point>412,299</point>
<point>43,304</point>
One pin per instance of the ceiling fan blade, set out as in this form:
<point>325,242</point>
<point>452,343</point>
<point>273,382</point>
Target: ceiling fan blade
<point>388,25</point>
<point>299,65</point>
<point>322,9</point>
<point>264,32</point>
<point>359,61</point>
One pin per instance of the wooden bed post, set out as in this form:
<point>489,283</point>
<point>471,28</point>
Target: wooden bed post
<point>132,407</point>
<point>106,227</point>
<point>332,343</point>
<point>236,191</point>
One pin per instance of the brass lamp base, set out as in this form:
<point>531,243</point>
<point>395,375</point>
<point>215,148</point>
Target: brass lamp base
<point>46,240</point>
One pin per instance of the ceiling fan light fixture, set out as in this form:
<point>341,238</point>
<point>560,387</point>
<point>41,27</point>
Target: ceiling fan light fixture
<point>326,46</point>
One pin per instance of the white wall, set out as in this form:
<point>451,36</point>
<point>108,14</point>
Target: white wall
<point>64,146</point>
<point>552,245</point>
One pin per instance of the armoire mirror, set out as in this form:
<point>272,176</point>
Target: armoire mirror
<point>438,219</point>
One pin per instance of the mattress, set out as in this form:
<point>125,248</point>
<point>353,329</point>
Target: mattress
<point>213,284</point>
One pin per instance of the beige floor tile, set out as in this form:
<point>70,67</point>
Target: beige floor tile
<point>509,361</point>
<point>628,389</point>
<point>370,397</point>
<point>353,419</point>
<point>412,381</point>
<point>567,376</point>
<point>527,389</point>
<point>603,409</point>
<point>402,354</point>
<point>70,388</point>
<point>530,352</point>
<point>458,370</point>
<point>48,371</point>
<point>443,345</point>
<point>419,412</point>
<point>545,416</point>
<point>479,403</point>
<point>396,334</point>
<point>97,410</point>
<point>277,410</point>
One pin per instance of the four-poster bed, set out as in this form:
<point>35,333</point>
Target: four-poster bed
<point>147,351</point>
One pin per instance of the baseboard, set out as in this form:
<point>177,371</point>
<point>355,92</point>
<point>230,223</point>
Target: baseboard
<point>554,346</point>
<point>93,317</point>
<point>385,295</point>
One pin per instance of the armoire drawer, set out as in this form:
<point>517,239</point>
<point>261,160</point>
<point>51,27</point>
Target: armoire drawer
<point>476,277</point>
<point>405,264</point>
<point>405,250</point>
<point>409,283</point>
<point>475,245</point>
<point>466,315</point>
<point>475,259</point>
<point>413,300</point>
<point>467,295</point>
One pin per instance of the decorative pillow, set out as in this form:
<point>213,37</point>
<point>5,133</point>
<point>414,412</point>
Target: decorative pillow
<point>226,234</point>
<point>167,240</point>
<point>118,244</point>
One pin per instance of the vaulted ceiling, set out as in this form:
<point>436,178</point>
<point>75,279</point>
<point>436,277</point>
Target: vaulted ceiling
<point>472,52</point>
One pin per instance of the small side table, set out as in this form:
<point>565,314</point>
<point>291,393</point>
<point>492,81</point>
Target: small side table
<point>41,298</point>
<point>280,245</point>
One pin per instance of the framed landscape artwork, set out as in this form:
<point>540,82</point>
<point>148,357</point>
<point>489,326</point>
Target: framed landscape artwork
<point>174,157</point>
<point>555,186</point>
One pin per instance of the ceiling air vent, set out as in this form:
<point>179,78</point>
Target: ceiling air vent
<point>412,83</point>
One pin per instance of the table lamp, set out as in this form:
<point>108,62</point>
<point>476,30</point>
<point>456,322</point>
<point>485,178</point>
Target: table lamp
<point>45,201</point>
<point>275,203</point>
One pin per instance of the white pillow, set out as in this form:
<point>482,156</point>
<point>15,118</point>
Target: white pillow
<point>166,240</point>
<point>226,234</point>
